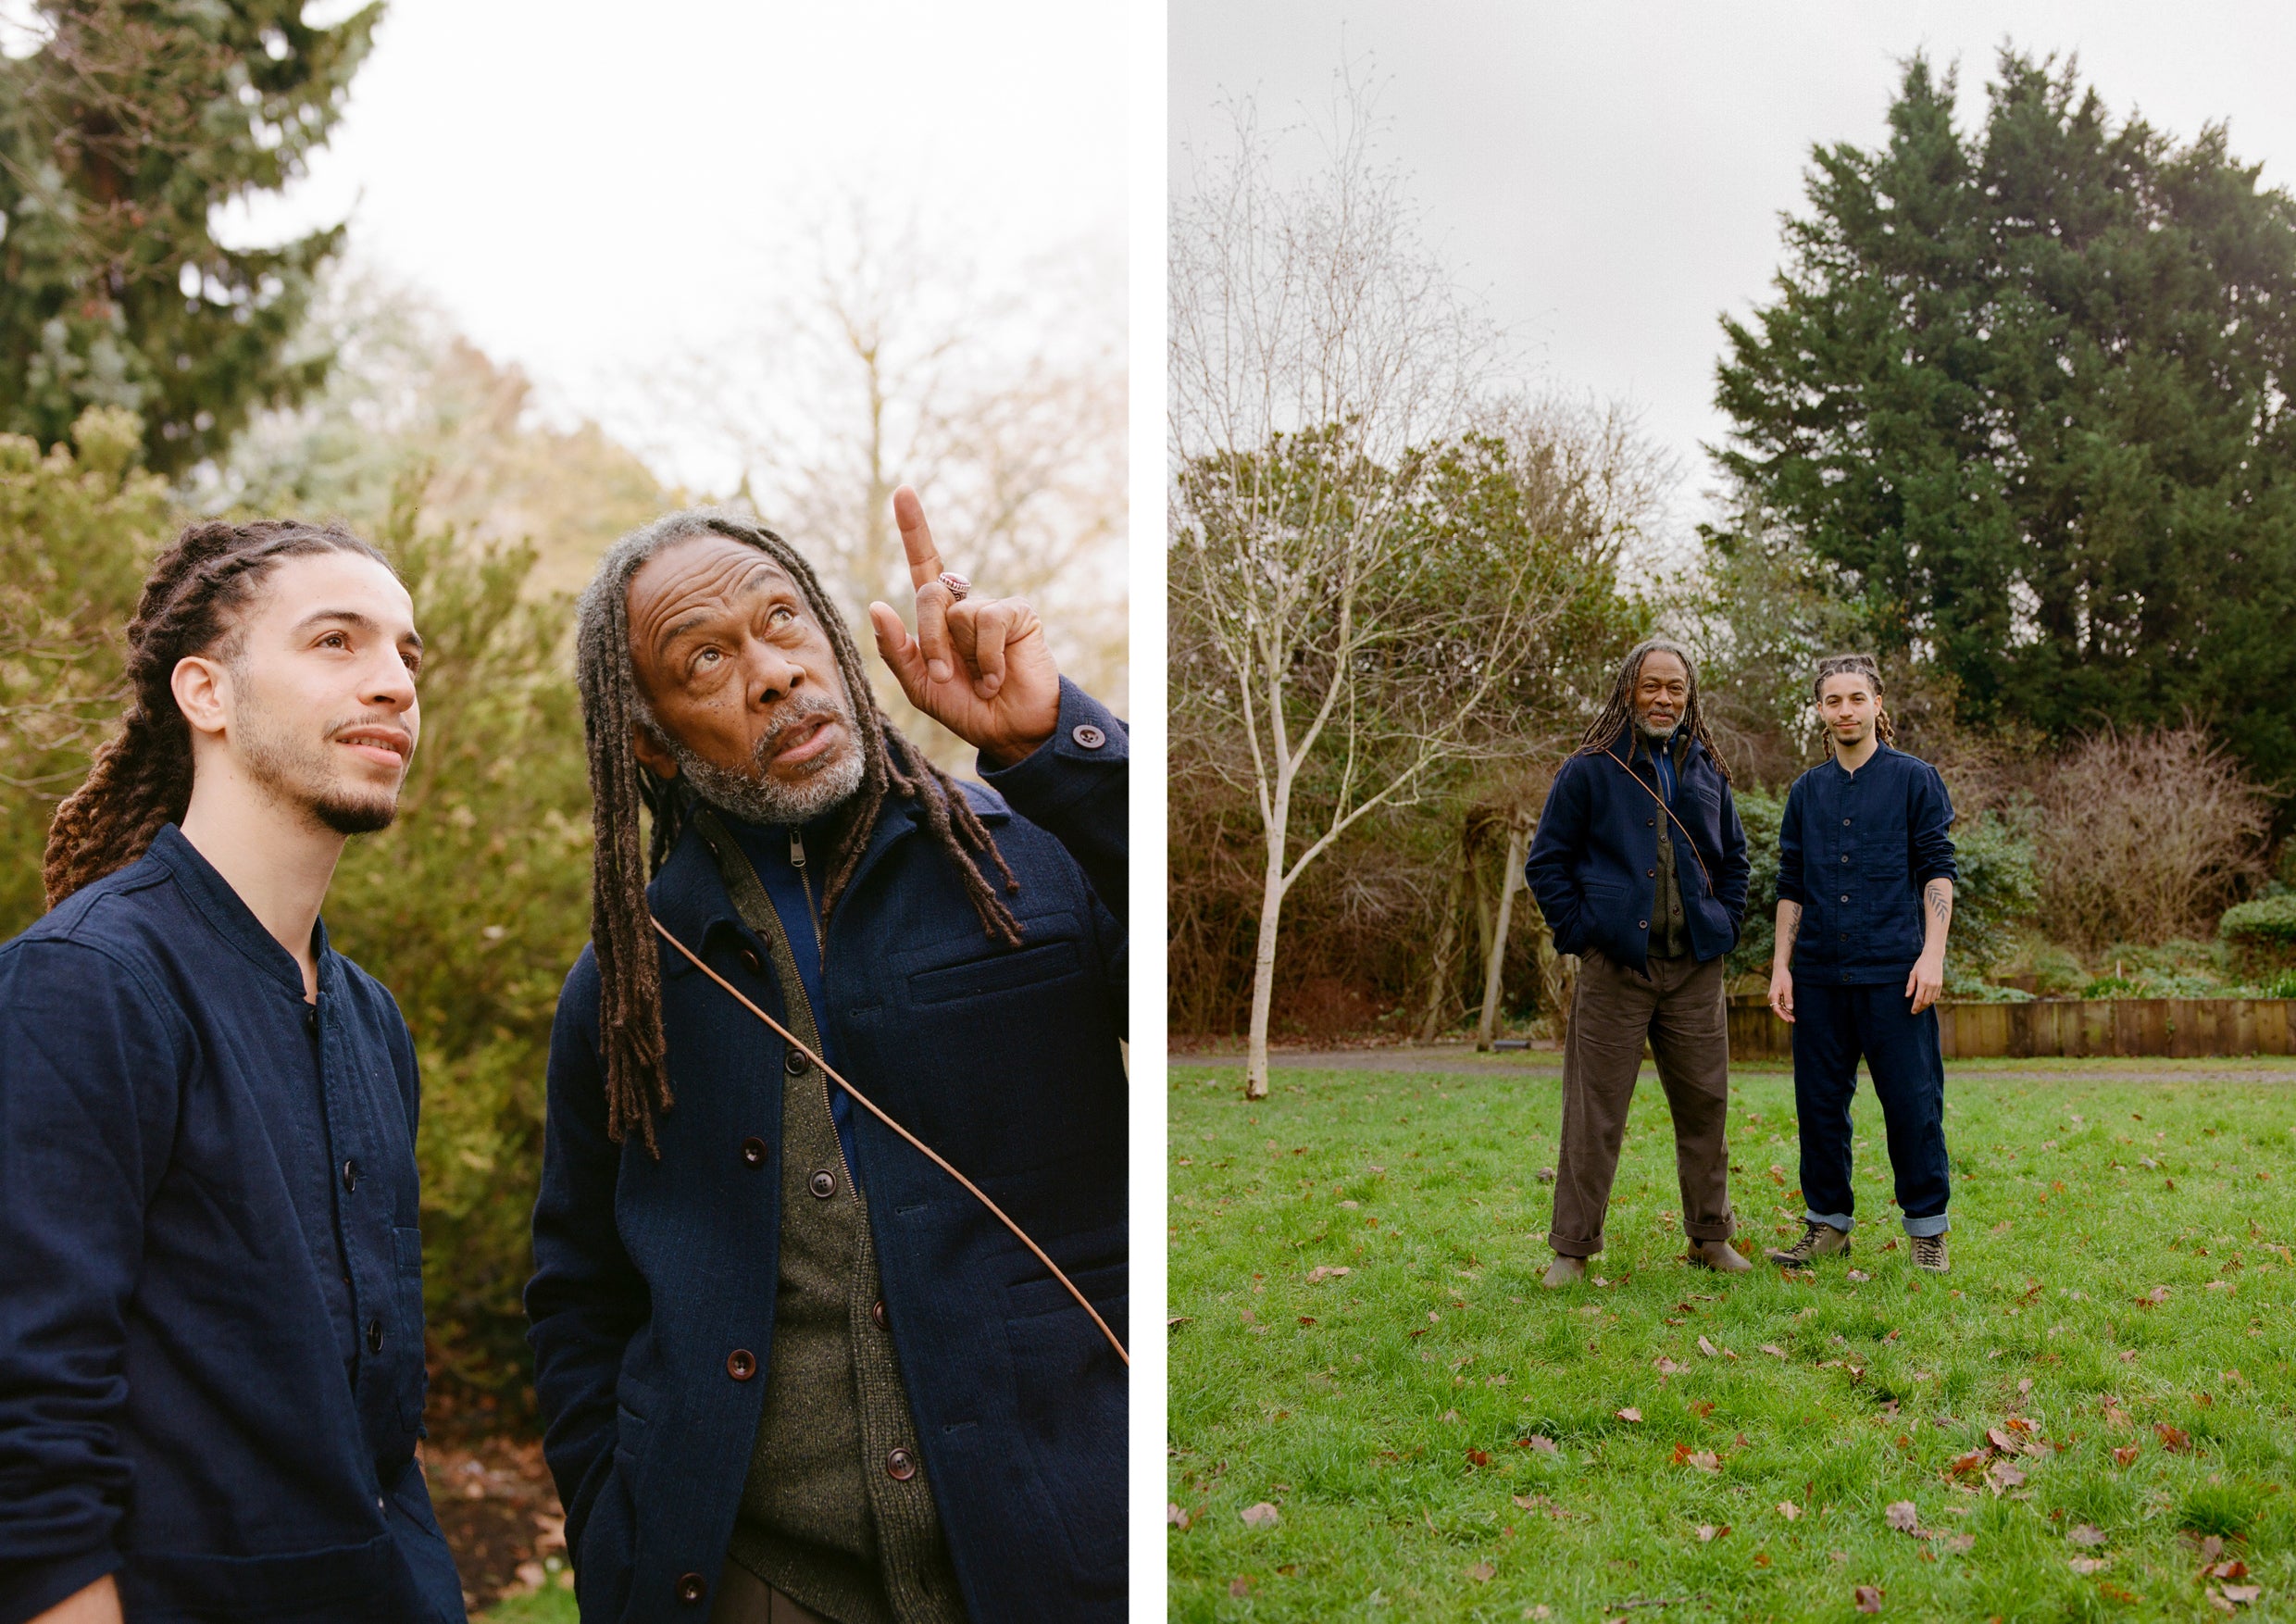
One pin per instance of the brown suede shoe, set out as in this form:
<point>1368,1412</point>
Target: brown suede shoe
<point>1563,1271</point>
<point>1719,1256</point>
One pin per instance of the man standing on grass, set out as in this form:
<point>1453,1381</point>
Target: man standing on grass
<point>1639,866</point>
<point>211,1333</point>
<point>1865,896</point>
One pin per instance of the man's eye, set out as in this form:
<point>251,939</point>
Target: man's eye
<point>708,657</point>
<point>334,640</point>
<point>781,612</point>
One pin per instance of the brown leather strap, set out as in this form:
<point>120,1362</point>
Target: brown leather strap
<point>1655,795</point>
<point>930,1155</point>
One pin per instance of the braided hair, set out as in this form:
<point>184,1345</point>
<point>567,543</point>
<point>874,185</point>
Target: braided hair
<point>1618,712</point>
<point>1865,666</point>
<point>140,778</point>
<point>630,996</point>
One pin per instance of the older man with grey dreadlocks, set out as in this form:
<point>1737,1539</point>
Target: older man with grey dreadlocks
<point>791,1368</point>
<point>1639,866</point>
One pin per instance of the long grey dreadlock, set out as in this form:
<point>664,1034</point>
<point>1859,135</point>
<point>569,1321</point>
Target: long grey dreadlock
<point>1618,712</point>
<point>629,995</point>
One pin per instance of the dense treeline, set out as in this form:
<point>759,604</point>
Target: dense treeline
<point>2017,419</point>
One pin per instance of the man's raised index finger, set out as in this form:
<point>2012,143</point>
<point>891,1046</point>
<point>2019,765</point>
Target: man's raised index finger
<point>925,564</point>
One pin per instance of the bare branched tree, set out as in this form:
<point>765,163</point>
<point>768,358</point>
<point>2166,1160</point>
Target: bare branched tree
<point>896,363</point>
<point>1349,617</point>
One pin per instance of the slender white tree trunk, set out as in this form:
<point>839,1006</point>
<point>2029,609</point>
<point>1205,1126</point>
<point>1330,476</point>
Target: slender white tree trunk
<point>1264,954</point>
<point>1510,882</point>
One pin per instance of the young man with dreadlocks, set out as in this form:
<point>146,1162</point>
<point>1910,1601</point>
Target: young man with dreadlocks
<point>211,1333</point>
<point>1865,898</point>
<point>1639,866</point>
<point>790,1369</point>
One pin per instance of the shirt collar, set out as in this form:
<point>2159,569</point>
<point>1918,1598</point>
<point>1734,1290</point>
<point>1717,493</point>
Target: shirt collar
<point>231,918</point>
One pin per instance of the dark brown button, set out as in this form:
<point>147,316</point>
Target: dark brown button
<point>350,1175</point>
<point>754,1152</point>
<point>823,1182</point>
<point>749,963</point>
<point>1650,873</point>
<point>1649,824</point>
<point>900,1465</point>
<point>1088,736</point>
<point>877,1311</point>
<point>794,1063</point>
<point>691,1588</point>
<point>374,1336</point>
<point>740,1364</point>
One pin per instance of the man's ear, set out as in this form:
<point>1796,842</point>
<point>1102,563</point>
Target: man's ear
<point>651,755</point>
<point>203,692</point>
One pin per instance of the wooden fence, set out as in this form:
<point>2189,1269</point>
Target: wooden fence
<point>2179,1028</point>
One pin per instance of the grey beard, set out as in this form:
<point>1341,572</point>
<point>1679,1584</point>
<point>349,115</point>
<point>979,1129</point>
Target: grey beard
<point>1656,735</point>
<point>755,797</point>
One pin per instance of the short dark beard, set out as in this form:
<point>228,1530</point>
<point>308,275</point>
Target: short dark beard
<point>287,775</point>
<point>755,796</point>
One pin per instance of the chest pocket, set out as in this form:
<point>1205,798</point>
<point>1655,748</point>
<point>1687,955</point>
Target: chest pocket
<point>1005,972</point>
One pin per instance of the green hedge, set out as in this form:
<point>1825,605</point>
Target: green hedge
<point>2260,936</point>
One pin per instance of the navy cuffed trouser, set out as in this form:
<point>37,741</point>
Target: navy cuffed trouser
<point>1834,1027</point>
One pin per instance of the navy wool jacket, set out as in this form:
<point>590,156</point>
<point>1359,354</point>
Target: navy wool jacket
<point>211,1338</point>
<point>1006,1061</point>
<point>1854,849</point>
<point>1594,863</point>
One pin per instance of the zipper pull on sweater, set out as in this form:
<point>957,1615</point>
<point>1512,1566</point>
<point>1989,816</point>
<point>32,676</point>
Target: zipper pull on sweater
<point>797,848</point>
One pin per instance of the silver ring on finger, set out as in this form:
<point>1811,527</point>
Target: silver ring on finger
<point>958,586</point>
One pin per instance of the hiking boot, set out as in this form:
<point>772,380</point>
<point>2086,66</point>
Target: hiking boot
<point>1818,1240</point>
<point>1563,1271</point>
<point>1718,1255</point>
<point>1930,1254</point>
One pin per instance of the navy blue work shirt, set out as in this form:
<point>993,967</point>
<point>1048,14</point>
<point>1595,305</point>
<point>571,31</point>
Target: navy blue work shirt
<point>211,1336</point>
<point>1855,849</point>
<point>772,851</point>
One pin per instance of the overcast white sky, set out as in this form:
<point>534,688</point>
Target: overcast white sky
<point>591,190</point>
<point>1611,176</point>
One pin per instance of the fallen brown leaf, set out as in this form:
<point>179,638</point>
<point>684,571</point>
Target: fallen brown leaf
<point>1240,1586</point>
<point>1903,1516</point>
<point>1869,1598</point>
<point>2125,1456</point>
<point>1544,1445</point>
<point>1174,1517</point>
<point>1772,1348</point>
<point>1261,1516</point>
<point>1323,1271</point>
<point>2090,1564</point>
<point>2176,1439</point>
<point>1789,1510</point>
<point>2085,1533</point>
<point>1477,1457</point>
<point>1706,1347</point>
<point>1707,1533</point>
<point>1960,1542</point>
<point>1482,1573</point>
<point>1973,1461</point>
<point>1631,1414</point>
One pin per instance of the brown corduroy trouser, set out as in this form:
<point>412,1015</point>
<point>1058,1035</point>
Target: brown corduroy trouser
<point>743,1598</point>
<point>1680,1010</point>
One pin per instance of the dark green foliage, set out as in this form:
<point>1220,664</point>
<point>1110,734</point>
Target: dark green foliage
<point>119,138</point>
<point>2023,389</point>
<point>2260,938</point>
<point>78,526</point>
<point>471,909</point>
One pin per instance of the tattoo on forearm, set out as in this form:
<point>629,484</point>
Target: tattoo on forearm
<point>1789,927</point>
<point>1940,896</point>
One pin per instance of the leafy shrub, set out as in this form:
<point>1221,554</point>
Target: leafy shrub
<point>2260,936</point>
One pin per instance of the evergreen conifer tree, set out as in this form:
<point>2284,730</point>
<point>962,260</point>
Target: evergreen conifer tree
<point>119,136</point>
<point>2026,389</point>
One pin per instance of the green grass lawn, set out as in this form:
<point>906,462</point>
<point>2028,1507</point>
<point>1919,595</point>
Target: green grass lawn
<point>1398,1417</point>
<point>550,1604</point>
